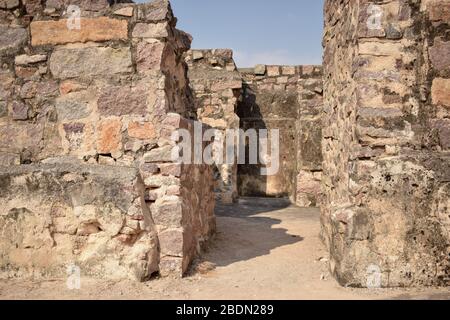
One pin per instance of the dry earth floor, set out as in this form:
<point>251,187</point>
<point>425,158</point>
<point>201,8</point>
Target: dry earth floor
<point>264,249</point>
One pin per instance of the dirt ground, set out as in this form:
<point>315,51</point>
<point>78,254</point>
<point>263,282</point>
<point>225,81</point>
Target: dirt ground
<point>264,249</point>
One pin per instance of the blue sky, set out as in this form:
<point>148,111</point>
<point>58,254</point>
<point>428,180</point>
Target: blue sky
<point>259,31</point>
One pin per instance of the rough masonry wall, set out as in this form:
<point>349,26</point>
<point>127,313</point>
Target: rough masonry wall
<point>216,85</point>
<point>288,98</point>
<point>386,152</point>
<point>83,109</point>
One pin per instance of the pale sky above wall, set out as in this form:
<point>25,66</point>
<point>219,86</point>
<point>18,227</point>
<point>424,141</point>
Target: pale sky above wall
<point>259,31</point>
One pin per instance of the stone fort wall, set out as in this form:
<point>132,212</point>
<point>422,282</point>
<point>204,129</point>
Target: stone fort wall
<point>288,98</point>
<point>385,147</point>
<point>86,118</point>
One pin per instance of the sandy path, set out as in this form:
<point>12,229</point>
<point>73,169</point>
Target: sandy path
<point>263,250</point>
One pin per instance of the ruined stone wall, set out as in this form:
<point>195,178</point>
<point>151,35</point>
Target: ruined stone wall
<point>79,110</point>
<point>386,153</point>
<point>288,98</point>
<point>216,85</point>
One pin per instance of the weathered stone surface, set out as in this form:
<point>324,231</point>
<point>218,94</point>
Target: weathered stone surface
<point>443,128</point>
<point>101,96</point>
<point>88,5</point>
<point>171,242</point>
<point>119,101</point>
<point>9,159</point>
<point>168,212</point>
<point>143,131</point>
<point>97,29</point>
<point>73,106</point>
<point>9,4</point>
<point>440,54</point>
<point>439,11</point>
<point>149,56</point>
<point>154,11</point>
<point>26,59</point>
<point>163,154</point>
<point>260,69</point>
<point>308,188</point>
<point>44,228</point>
<point>12,39</point>
<point>3,108</point>
<point>19,110</point>
<point>273,71</point>
<point>151,30</point>
<point>109,136</point>
<point>126,12</point>
<point>172,169</point>
<point>91,61</point>
<point>440,91</point>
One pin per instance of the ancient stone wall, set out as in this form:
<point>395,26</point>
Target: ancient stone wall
<point>386,153</point>
<point>216,85</point>
<point>80,111</point>
<point>288,98</point>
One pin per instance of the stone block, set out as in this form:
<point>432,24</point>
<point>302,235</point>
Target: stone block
<point>19,110</point>
<point>171,242</point>
<point>125,12</point>
<point>288,70</point>
<point>124,100</point>
<point>273,71</point>
<point>141,130</point>
<point>168,212</point>
<point>440,54</point>
<point>154,11</point>
<point>439,11</point>
<point>9,4</point>
<point>151,30</point>
<point>26,59</point>
<point>12,39</point>
<point>73,106</point>
<point>109,139</point>
<point>162,154</point>
<point>440,91</point>
<point>95,29</point>
<point>90,61</point>
<point>149,56</point>
<point>260,70</point>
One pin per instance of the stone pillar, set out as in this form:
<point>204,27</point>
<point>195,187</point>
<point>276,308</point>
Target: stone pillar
<point>386,156</point>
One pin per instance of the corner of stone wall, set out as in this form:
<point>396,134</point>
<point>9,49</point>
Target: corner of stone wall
<point>102,98</point>
<point>217,85</point>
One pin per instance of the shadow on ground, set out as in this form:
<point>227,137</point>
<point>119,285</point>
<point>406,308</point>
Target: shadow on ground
<point>250,229</point>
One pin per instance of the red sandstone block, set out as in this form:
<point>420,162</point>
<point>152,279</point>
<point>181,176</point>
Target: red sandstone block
<point>440,91</point>
<point>440,11</point>
<point>58,32</point>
